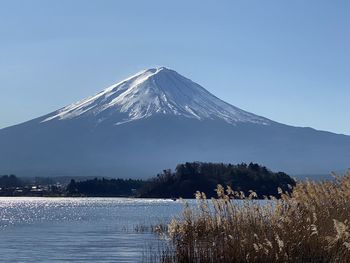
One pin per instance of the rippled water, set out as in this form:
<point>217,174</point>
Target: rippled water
<point>80,229</point>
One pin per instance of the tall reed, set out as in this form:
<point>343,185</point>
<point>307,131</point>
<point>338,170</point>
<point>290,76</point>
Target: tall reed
<point>311,224</point>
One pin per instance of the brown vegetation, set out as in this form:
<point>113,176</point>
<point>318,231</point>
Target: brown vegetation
<point>309,225</point>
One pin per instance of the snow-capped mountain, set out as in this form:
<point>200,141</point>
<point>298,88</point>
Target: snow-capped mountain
<point>153,121</point>
<point>153,92</point>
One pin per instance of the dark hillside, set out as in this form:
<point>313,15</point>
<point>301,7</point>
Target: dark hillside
<point>191,177</point>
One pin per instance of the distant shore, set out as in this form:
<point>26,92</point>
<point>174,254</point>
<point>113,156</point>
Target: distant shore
<point>182,183</point>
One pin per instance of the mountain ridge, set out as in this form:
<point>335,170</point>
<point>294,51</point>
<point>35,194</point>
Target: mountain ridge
<point>123,131</point>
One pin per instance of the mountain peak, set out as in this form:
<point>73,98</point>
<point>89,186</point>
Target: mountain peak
<point>155,91</point>
<point>158,69</point>
<point>153,71</point>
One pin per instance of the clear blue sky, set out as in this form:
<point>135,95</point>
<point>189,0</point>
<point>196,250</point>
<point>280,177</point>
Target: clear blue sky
<point>286,60</point>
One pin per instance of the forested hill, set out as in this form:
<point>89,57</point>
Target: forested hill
<point>197,176</point>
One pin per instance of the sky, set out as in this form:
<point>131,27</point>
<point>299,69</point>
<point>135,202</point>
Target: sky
<point>285,60</point>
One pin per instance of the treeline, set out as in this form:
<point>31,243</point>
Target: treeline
<point>7,181</point>
<point>104,187</point>
<point>191,177</point>
<point>10,185</point>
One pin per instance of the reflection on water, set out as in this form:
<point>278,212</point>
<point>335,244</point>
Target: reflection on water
<point>80,229</point>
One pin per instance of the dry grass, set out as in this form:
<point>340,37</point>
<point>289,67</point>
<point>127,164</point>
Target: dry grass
<point>310,225</point>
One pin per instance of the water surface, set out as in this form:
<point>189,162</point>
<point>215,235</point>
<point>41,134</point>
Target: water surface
<point>80,229</point>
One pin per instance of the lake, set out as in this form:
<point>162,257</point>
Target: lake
<point>80,229</point>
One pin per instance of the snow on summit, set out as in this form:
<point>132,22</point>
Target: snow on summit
<point>152,92</point>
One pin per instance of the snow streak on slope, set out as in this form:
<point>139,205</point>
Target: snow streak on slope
<point>156,91</point>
